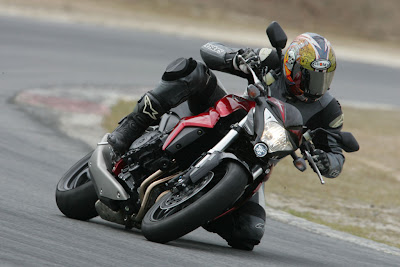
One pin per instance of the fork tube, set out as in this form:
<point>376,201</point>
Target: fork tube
<point>228,138</point>
<point>225,142</point>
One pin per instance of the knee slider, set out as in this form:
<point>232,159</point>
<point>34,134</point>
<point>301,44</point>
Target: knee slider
<point>250,224</point>
<point>179,68</point>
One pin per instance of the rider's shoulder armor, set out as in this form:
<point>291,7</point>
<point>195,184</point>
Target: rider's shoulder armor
<point>325,112</point>
<point>332,115</point>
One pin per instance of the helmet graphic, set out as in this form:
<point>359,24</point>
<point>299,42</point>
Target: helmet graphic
<point>309,66</point>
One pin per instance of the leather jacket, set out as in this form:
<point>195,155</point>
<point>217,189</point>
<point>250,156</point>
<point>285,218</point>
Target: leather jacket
<point>326,112</point>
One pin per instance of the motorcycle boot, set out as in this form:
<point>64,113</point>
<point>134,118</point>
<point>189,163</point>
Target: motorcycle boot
<point>147,110</point>
<point>242,228</point>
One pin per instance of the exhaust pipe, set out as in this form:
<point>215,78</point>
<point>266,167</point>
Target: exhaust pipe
<point>108,214</point>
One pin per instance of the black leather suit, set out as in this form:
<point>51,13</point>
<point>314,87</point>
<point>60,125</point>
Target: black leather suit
<point>191,80</point>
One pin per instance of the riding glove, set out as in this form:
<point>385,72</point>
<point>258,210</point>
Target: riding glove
<point>251,58</point>
<point>322,161</point>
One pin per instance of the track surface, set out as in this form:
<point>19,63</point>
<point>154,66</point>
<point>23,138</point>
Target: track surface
<point>34,155</point>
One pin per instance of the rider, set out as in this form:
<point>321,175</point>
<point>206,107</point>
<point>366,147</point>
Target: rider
<point>303,81</point>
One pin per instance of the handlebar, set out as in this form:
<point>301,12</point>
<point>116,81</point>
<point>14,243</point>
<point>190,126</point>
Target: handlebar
<point>257,83</point>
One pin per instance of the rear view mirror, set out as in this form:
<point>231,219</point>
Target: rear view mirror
<point>276,35</point>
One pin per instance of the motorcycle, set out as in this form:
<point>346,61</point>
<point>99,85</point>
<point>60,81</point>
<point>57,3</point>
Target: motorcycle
<point>190,170</point>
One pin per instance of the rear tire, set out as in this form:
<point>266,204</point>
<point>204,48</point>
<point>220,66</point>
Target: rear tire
<point>162,224</point>
<point>75,192</point>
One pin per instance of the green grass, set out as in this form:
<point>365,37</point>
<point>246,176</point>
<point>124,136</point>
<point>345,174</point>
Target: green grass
<point>364,200</point>
<point>353,229</point>
<point>118,111</point>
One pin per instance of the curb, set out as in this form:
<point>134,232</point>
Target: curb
<point>77,112</point>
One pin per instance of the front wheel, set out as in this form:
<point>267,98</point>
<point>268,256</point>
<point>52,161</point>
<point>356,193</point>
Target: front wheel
<point>75,193</point>
<point>177,214</point>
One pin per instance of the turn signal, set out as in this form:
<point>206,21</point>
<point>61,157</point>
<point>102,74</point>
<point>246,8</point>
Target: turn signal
<point>253,91</point>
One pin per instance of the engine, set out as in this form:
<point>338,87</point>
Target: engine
<point>144,157</point>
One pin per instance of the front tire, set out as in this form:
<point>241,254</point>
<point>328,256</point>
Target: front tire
<point>75,192</point>
<point>162,224</point>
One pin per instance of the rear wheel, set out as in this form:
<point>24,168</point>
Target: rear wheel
<point>177,214</point>
<point>75,193</point>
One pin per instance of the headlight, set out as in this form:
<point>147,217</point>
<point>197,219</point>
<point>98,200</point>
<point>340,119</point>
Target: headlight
<point>276,138</point>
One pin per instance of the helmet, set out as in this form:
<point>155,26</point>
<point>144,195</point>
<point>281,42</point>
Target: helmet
<point>309,65</point>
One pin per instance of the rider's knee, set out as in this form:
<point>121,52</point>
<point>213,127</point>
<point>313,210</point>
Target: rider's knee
<point>185,79</point>
<point>179,68</point>
<point>243,228</point>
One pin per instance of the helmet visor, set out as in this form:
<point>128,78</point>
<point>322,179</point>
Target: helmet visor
<point>315,84</point>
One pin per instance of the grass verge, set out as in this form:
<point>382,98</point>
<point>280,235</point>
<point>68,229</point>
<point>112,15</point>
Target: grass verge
<point>364,200</point>
<point>338,17</point>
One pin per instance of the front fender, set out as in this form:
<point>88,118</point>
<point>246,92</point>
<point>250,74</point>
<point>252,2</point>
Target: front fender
<point>210,161</point>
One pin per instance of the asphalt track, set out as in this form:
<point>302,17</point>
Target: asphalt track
<point>34,154</point>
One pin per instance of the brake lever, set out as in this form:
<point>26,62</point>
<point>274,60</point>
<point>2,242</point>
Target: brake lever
<point>314,166</point>
<point>308,150</point>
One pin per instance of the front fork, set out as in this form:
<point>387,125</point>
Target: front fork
<point>215,155</point>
